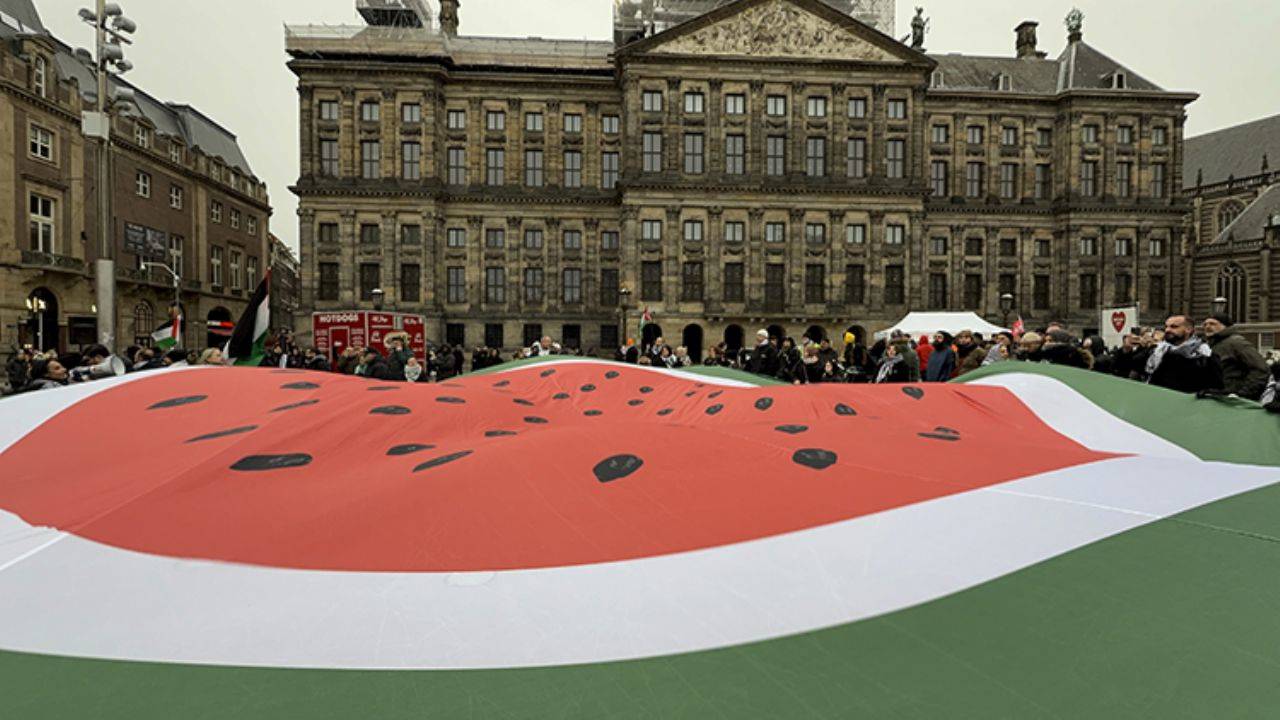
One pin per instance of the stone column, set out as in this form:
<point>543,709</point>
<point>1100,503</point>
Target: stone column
<point>348,281</point>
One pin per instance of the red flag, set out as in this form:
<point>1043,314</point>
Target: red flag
<point>1019,328</point>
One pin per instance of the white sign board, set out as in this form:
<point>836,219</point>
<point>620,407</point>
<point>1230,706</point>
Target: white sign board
<point>1116,323</point>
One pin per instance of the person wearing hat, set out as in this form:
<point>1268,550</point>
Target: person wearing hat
<point>942,360</point>
<point>1244,371</point>
<point>764,357</point>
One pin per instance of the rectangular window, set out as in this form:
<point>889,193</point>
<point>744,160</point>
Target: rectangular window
<point>142,184</point>
<point>972,291</point>
<point>175,152</point>
<point>694,103</point>
<point>815,284</point>
<point>855,284</point>
<point>735,232</point>
<point>691,285</point>
<point>370,279</point>
<point>1156,292</point>
<point>411,162</point>
<point>410,234</point>
<point>775,232</point>
<point>533,174</point>
<point>410,282</point>
<point>370,234</point>
<point>937,291</point>
<point>815,234</point>
<point>329,110</point>
<point>1008,181</point>
<point>609,285</point>
<point>495,166</point>
<point>896,158</point>
<point>897,109</point>
<point>329,282</point>
<point>895,234</point>
<point>235,219</point>
<point>735,154</point>
<point>43,224</point>
<point>609,172</point>
<point>1155,247</point>
<point>938,245</point>
<point>533,122</point>
<point>328,233</point>
<point>495,121</point>
<point>938,178</point>
<point>974,134</point>
<point>735,104</point>
<point>572,239</point>
<point>973,247</point>
<point>1044,137</point>
<point>776,105</point>
<point>495,238</point>
<point>857,158</point>
<point>495,285</point>
<point>329,158</point>
<point>1124,247</point>
<point>456,238</point>
<point>693,153</point>
<point>534,285</point>
<point>815,160</point>
<point>457,119</point>
<point>370,159</point>
<point>817,107</point>
<point>857,108</point>
<point>572,286</point>
<point>693,230</point>
<point>176,197</point>
<point>411,113</point>
<point>855,234</point>
<point>1159,136</point>
<point>1088,292</point>
<point>733,282</point>
<point>493,335</point>
<point>573,123</point>
<point>651,280</point>
<point>1008,247</point>
<point>1157,180</point>
<point>775,155</point>
<point>1089,178</point>
<point>941,134</point>
<point>973,181</point>
<point>610,124</point>
<point>370,111</point>
<point>1089,134</point>
<point>1124,179</point>
<point>1009,136</point>
<point>609,337</point>
<point>895,291</point>
<point>1124,288</point>
<point>775,287</point>
<point>215,211</point>
<point>1124,135</point>
<point>573,168</point>
<point>1089,246</point>
<point>1044,247</point>
<point>1044,176</point>
<point>456,284</point>
<point>142,136</point>
<point>215,266</point>
<point>651,100</point>
<point>40,143</point>
<point>533,239</point>
<point>651,230</point>
<point>610,240</point>
<point>651,152</point>
<point>1040,292</point>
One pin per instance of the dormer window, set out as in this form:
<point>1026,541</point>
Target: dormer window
<point>39,75</point>
<point>1119,80</point>
<point>937,80</point>
<point>142,136</point>
<point>1002,82</point>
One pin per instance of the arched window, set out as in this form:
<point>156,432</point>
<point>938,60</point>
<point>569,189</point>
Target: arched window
<point>1232,286</point>
<point>144,323</point>
<point>1227,214</point>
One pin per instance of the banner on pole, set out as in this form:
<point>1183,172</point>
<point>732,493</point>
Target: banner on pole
<point>1118,322</point>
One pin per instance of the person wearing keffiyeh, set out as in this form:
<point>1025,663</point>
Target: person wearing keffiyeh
<point>1182,361</point>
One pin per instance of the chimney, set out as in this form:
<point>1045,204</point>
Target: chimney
<point>449,17</point>
<point>1026,39</point>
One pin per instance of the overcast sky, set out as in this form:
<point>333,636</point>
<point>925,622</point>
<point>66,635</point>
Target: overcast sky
<point>227,58</point>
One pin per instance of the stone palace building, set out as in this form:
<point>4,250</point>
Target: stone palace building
<point>752,163</point>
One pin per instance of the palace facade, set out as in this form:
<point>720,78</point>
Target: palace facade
<point>767,163</point>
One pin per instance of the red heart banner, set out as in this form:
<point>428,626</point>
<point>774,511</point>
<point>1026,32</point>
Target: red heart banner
<point>1118,320</point>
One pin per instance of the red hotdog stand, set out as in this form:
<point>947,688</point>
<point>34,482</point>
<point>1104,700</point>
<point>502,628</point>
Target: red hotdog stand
<point>334,332</point>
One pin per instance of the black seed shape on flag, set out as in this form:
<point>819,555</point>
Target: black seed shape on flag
<point>635,403</point>
<point>691,393</point>
<point>300,386</point>
<point>258,463</point>
<point>502,383</point>
<point>845,410</point>
<point>792,429</point>
<point>295,406</point>
<point>814,458</point>
<point>588,388</point>
<point>442,460</point>
<point>399,450</point>
<point>390,410</point>
<point>593,413</point>
<point>946,431</point>
<point>521,401</point>
<point>179,402</point>
<point>451,400</point>
<point>914,392</point>
<point>617,467</point>
<point>382,388</point>
<point>715,395</point>
<point>548,373</point>
<point>646,390</point>
<point>224,433</point>
<point>612,374</point>
<point>533,420</point>
<point>764,403</point>
<point>560,396</point>
<point>499,433</point>
<point>699,385</point>
<point>714,409</point>
<point>665,412</point>
<point>939,436</point>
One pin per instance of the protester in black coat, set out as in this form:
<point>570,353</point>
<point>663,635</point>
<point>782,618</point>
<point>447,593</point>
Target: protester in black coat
<point>763,358</point>
<point>1183,362</point>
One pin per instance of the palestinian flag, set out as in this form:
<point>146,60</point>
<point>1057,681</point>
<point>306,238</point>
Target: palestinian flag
<point>579,539</point>
<point>169,335</point>
<point>646,318</point>
<point>247,344</point>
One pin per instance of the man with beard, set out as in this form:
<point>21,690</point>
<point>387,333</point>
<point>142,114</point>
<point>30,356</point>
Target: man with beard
<point>1244,372</point>
<point>1182,361</point>
<point>942,361</point>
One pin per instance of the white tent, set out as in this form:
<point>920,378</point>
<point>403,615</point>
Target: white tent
<point>927,323</point>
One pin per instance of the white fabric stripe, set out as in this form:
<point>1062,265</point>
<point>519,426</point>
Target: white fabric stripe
<point>80,598</point>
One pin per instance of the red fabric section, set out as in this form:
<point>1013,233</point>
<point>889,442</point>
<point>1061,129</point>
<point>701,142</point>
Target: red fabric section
<point>112,470</point>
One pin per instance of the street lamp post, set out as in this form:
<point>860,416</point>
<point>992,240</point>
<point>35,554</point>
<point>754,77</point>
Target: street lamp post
<point>378,296</point>
<point>173,273</point>
<point>37,308</point>
<point>1219,305</point>
<point>1006,307</point>
<point>624,295</point>
<point>110,27</point>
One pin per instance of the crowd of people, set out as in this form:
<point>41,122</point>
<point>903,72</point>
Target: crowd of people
<point>1209,360</point>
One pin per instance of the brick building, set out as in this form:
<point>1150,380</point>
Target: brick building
<point>767,163</point>
<point>182,190</point>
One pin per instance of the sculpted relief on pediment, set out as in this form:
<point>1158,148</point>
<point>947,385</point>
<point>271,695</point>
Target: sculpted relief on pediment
<point>776,29</point>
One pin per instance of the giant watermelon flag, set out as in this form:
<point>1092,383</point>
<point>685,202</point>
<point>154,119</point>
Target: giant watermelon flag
<point>577,539</point>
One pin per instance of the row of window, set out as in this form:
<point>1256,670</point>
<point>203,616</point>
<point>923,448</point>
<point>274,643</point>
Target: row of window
<point>1010,180</point>
<point>456,119</point>
<point>455,334</point>
<point>249,276</point>
<point>1009,136</point>
<point>653,101</point>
